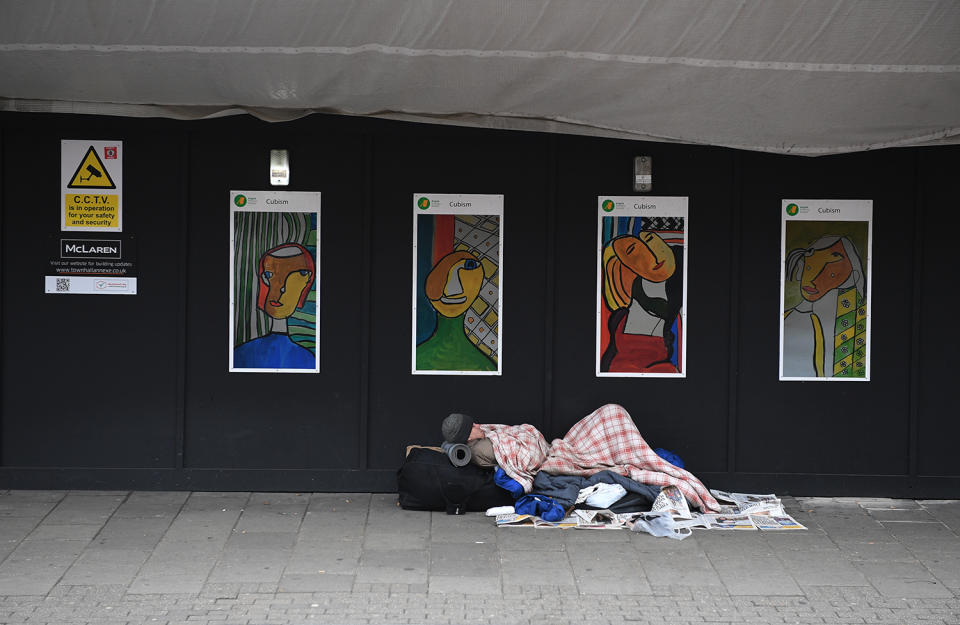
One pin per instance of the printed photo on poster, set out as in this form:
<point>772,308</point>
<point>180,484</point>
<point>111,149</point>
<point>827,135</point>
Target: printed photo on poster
<point>457,284</point>
<point>274,282</point>
<point>641,286</point>
<point>825,278</point>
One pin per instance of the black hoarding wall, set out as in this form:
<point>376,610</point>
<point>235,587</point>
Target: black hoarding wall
<point>134,391</point>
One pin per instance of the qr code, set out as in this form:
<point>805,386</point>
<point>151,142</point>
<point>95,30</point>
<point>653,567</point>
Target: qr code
<point>63,285</point>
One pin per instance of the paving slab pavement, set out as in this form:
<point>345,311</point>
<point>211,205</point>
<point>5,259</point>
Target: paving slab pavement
<point>179,558</point>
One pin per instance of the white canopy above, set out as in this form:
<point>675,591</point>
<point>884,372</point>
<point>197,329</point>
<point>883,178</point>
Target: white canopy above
<point>802,77</point>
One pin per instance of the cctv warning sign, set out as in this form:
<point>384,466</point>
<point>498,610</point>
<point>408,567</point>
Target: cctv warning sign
<point>91,181</point>
<point>91,173</point>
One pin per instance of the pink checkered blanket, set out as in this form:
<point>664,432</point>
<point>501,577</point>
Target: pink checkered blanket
<point>606,439</point>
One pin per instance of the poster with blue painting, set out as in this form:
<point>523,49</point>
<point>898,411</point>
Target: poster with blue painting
<point>641,286</point>
<point>274,285</point>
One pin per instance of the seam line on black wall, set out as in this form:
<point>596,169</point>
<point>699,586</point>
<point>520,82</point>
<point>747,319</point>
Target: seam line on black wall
<point>733,364</point>
<point>363,427</point>
<point>181,332</point>
<point>550,290</point>
<point>913,411</point>
<point>3,212</point>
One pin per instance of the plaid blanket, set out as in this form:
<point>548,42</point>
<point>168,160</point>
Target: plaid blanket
<point>606,439</point>
<point>519,449</point>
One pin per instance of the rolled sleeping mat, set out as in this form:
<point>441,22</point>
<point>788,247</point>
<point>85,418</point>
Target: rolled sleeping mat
<point>458,453</point>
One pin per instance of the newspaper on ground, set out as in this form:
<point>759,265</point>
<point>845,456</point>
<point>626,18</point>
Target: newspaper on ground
<point>529,520</point>
<point>775,523</point>
<point>728,522</point>
<point>748,503</point>
<point>603,519</point>
<point>672,500</point>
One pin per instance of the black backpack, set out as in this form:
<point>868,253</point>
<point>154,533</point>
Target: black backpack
<point>427,480</point>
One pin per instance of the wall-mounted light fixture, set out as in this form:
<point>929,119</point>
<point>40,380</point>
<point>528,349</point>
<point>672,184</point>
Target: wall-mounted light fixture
<point>279,167</point>
<point>642,173</point>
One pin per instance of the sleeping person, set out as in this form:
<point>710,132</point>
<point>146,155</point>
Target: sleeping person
<point>606,439</point>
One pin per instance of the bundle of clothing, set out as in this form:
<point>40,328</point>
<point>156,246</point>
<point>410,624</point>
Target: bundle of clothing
<point>606,440</point>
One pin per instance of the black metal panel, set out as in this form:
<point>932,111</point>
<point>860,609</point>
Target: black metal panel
<point>262,420</point>
<point>665,409</point>
<point>936,297</point>
<point>826,427</point>
<point>88,380</point>
<point>407,408</point>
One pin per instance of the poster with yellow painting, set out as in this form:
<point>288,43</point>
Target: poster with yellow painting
<point>825,286</point>
<point>458,284</point>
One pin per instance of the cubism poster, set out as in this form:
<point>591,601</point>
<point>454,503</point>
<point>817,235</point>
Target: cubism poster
<point>274,281</point>
<point>457,284</point>
<point>825,286</point>
<point>642,286</point>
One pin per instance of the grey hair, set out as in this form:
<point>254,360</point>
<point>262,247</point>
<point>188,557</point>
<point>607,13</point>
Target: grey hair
<point>796,258</point>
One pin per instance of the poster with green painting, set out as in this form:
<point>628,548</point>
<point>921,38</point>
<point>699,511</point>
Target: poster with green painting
<point>457,284</point>
<point>825,286</point>
<point>274,266</point>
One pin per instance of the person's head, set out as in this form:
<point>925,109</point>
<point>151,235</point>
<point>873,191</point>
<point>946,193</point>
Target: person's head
<point>454,283</point>
<point>457,428</point>
<point>828,263</point>
<point>286,274</point>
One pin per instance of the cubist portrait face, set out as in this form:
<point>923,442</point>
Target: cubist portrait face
<point>823,271</point>
<point>454,283</point>
<point>286,274</point>
<point>647,255</point>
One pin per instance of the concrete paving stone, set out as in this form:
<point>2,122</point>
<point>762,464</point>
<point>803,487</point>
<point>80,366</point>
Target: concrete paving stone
<point>83,507</point>
<point>530,539</point>
<point>692,569</point>
<point>378,540</point>
<point>875,552</point>
<point>249,566</point>
<point>604,560</point>
<point>945,567</point>
<point>464,584</point>
<point>810,540</point>
<point>280,541</point>
<point>215,502</point>
<point>159,504</point>
<point>754,575</point>
<point>24,508</point>
<point>733,543</point>
<point>594,537</point>
<point>81,531</point>
<point>61,551</point>
<point>105,566</point>
<point>921,531</point>
<point>915,515</point>
<point>315,582</point>
<point>167,583</point>
<point>902,579</point>
<point>132,533</point>
<point>854,535</point>
<point>884,503</point>
<point>821,568</point>
<point>532,568</point>
<point>329,558</point>
<point>470,527</point>
<point>465,559</point>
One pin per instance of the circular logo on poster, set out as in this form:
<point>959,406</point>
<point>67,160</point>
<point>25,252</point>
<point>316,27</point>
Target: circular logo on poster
<point>792,209</point>
<point>607,205</point>
<point>240,200</point>
<point>423,203</point>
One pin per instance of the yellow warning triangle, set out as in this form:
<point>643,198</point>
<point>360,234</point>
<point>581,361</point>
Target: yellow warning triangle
<point>91,173</point>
